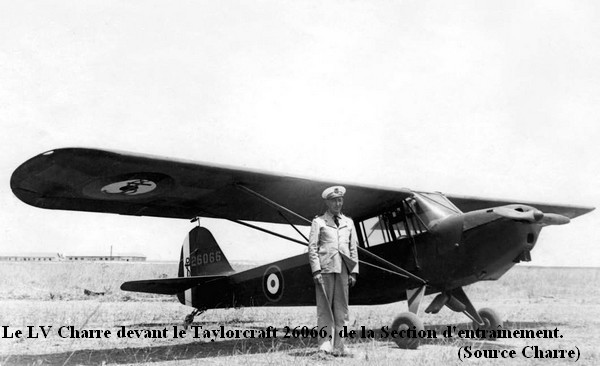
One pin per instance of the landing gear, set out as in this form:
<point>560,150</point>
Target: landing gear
<point>409,321</point>
<point>189,319</point>
<point>455,299</point>
<point>404,322</point>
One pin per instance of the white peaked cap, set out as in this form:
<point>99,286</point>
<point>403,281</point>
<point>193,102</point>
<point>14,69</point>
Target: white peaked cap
<point>333,192</point>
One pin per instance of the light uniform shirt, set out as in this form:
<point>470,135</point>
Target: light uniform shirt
<point>331,247</point>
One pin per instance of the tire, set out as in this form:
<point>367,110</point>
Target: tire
<point>407,321</point>
<point>491,319</point>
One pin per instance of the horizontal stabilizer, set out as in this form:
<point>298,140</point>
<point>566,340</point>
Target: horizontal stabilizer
<point>168,286</point>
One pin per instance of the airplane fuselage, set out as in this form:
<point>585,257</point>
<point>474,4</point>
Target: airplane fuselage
<point>458,251</point>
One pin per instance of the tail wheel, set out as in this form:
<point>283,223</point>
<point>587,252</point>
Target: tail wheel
<point>491,319</point>
<point>406,321</point>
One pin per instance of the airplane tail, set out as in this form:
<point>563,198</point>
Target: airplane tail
<point>201,263</point>
<point>201,255</point>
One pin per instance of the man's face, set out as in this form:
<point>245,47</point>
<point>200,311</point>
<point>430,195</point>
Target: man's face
<point>334,205</point>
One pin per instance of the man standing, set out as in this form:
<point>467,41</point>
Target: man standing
<point>333,257</point>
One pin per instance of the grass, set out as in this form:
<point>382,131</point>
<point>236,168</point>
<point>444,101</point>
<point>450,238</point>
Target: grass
<point>52,294</point>
<point>67,280</point>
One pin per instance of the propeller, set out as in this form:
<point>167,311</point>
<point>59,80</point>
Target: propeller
<point>530,214</point>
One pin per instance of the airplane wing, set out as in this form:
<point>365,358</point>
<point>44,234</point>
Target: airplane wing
<point>466,204</point>
<point>130,184</point>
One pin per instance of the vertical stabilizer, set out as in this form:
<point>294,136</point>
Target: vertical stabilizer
<point>201,255</point>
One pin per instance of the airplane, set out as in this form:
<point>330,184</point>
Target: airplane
<point>411,243</point>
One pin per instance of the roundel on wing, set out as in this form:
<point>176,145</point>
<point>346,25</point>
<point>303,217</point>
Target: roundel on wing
<point>273,283</point>
<point>128,186</point>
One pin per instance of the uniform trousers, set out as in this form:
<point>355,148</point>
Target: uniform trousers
<point>336,289</point>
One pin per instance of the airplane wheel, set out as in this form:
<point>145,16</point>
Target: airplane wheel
<point>491,319</point>
<point>406,321</point>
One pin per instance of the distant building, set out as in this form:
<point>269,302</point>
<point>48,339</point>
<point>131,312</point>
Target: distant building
<point>54,257</point>
<point>31,257</point>
<point>129,257</point>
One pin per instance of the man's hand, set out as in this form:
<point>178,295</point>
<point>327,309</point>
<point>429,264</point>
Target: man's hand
<point>352,280</point>
<point>318,279</point>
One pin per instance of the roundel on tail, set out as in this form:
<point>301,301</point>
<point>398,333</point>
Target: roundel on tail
<point>273,283</point>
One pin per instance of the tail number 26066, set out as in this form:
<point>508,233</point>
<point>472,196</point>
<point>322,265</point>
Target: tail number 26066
<point>205,258</point>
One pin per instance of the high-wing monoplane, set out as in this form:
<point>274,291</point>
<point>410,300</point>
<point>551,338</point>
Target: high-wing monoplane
<point>411,243</point>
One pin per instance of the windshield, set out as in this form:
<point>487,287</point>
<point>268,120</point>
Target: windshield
<point>431,207</point>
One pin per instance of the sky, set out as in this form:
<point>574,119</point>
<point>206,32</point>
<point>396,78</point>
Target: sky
<point>479,98</point>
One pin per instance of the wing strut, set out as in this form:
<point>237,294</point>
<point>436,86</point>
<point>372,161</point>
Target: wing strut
<point>255,227</point>
<point>277,206</point>
<point>294,226</point>
<point>400,270</point>
<point>270,202</point>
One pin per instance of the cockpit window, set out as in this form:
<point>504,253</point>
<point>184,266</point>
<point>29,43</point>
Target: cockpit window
<point>413,217</point>
<point>392,225</point>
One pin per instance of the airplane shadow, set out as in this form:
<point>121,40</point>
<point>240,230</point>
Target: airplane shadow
<point>199,349</point>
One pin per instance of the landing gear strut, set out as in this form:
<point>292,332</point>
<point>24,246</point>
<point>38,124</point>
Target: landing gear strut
<point>455,299</point>
<point>190,317</point>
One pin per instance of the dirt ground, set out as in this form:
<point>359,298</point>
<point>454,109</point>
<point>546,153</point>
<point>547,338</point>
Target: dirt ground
<point>527,298</point>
